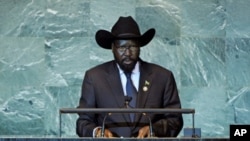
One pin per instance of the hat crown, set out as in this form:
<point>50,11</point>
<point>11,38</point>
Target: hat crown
<point>125,27</point>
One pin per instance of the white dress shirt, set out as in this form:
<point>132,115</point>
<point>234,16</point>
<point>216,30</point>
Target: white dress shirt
<point>134,76</point>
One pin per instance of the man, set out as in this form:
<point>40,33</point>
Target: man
<point>107,86</point>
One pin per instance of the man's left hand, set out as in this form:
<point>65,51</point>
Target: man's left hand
<point>144,132</point>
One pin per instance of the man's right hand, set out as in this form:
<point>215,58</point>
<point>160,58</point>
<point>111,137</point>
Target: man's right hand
<point>107,133</point>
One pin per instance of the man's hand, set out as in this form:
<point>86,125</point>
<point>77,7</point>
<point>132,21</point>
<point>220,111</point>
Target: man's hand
<point>144,132</point>
<point>107,133</point>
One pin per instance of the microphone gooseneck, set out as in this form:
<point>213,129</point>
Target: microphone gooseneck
<point>150,125</point>
<point>103,124</point>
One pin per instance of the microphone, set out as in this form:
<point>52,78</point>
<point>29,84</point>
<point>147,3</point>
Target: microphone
<point>127,100</point>
<point>103,124</point>
<point>150,125</point>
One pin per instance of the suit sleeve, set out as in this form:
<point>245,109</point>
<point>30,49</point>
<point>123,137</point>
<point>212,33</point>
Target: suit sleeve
<point>169,124</point>
<point>86,121</point>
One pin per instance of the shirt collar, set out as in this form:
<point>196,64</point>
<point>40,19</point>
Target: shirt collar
<point>134,71</point>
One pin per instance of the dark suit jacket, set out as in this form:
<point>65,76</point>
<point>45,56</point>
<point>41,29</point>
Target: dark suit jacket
<point>102,88</point>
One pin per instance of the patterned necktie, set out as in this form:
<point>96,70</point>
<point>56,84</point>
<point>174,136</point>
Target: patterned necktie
<point>131,92</point>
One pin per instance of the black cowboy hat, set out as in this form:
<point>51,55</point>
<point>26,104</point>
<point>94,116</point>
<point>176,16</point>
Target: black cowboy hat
<point>124,28</point>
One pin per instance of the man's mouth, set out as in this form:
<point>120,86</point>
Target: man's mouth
<point>127,61</point>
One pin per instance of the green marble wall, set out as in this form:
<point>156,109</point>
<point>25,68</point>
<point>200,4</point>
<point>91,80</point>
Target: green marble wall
<point>46,46</point>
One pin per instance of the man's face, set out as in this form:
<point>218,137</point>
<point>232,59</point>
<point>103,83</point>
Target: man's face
<point>126,53</point>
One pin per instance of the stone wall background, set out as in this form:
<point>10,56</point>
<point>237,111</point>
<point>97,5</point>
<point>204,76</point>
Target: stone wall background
<point>47,45</point>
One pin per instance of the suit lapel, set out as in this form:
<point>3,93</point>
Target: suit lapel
<point>144,87</point>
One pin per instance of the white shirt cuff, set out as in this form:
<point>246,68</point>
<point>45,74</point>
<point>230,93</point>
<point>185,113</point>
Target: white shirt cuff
<point>94,131</point>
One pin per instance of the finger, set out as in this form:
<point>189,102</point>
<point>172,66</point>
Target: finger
<point>110,135</point>
<point>98,133</point>
<point>141,134</point>
<point>148,135</point>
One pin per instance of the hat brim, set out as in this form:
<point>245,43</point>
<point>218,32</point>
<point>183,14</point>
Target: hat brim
<point>104,38</point>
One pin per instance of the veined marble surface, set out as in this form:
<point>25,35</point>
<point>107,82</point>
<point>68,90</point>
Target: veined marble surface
<point>47,45</point>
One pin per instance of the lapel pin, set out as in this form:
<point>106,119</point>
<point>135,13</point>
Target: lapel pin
<point>145,88</point>
<point>146,83</point>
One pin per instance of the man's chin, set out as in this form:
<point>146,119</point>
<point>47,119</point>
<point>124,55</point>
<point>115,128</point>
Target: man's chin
<point>127,67</point>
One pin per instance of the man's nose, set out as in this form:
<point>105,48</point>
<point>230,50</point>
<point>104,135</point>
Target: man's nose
<point>127,51</point>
